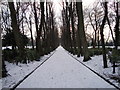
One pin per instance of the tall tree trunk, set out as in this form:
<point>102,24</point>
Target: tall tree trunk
<point>64,36</point>
<point>23,24</point>
<point>47,31</point>
<point>32,42</point>
<point>82,31</point>
<point>73,28</point>
<point>38,41</point>
<point>117,33</point>
<point>16,31</point>
<point>102,36</point>
<point>79,45</point>
<point>3,71</point>
<point>68,27</point>
<point>0,52</point>
<point>41,22</point>
<point>53,29</point>
<point>98,42</point>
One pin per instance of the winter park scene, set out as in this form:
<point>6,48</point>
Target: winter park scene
<point>60,44</point>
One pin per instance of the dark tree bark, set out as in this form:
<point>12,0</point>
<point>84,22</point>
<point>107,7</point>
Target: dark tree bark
<point>79,45</point>
<point>31,33</point>
<point>73,28</point>
<point>52,27</point>
<point>23,24</point>
<point>41,27</point>
<point>82,31</point>
<point>102,35</point>
<point>47,44</point>
<point>4,71</point>
<point>67,19</point>
<point>117,32</point>
<point>38,41</point>
<point>16,31</point>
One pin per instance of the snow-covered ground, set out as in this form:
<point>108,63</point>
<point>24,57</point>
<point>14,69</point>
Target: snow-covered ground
<point>10,47</point>
<point>105,46</point>
<point>63,71</point>
<point>59,71</point>
<point>96,64</point>
<point>18,72</point>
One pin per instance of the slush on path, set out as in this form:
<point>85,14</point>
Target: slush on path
<point>63,71</point>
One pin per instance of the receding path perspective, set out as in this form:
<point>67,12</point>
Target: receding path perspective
<point>63,71</point>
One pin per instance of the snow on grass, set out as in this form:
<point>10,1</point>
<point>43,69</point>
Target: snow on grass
<point>96,64</point>
<point>10,47</point>
<point>105,46</point>
<point>18,72</point>
<point>6,47</point>
<point>60,71</point>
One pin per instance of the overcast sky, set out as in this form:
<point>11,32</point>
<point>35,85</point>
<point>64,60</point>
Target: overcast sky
<point>58,8</point>
<point>86,3</point>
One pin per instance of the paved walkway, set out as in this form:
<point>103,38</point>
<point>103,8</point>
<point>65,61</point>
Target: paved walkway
<point>63,71</point>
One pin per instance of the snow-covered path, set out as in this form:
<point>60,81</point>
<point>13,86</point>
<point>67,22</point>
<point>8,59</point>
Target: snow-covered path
<point>63,71</point>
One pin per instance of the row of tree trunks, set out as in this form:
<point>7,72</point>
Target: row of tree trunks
<point>82,31</point>
<point>74,40</point>
<point>73,28</point>
<point>38,41</point>
<point>102,35</point>
<point>69,42</point>
<point>46,37</point>
<point>46,29</point>
<point>117,32</point>
<point>17,32</point>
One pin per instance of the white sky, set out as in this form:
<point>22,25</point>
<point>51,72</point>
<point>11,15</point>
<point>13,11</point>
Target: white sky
<point>86,3</point>
<point>58,8</point>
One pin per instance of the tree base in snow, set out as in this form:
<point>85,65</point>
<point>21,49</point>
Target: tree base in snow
<point>4,73</point>
<point>78,55</point>
<point>86,59</point>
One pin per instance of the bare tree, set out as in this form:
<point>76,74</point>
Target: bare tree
<point>17,32</point>
<point>31,32</point>
<point>117,32</point>
<point>38,41</point>
<point>102,35</point>
<point>72,18</point>
<point>82,31</point>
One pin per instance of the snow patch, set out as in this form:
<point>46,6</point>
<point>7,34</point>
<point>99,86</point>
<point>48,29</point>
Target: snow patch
<point>96,64</point>
<point>18,72</point>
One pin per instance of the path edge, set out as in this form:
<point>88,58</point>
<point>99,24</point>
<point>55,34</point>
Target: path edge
<point>15,86</point>
<point>94,71</point>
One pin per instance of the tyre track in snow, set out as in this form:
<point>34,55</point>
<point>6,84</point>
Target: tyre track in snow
<point>14,87</point>
<point>94,72</point>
